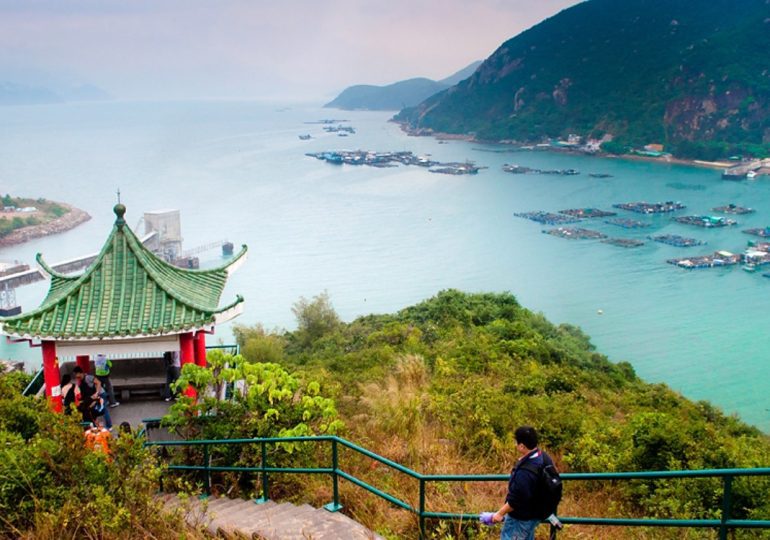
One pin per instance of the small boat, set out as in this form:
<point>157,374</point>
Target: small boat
<point>305,137</point>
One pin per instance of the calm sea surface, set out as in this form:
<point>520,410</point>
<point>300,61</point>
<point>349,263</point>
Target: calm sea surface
<point>381,239</point>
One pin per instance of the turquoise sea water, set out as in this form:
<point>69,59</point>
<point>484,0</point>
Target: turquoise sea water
<point>381,239</point>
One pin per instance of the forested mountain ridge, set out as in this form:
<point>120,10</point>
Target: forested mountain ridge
<point>693,75</point>
<point>398,95</point>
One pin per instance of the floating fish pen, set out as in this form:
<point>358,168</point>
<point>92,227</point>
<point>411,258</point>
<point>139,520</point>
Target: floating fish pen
<point>340,129</point>
<point>762,232</point>
<point>651,208</point>
<point>707,222</point>
<point>576,233</point>
<point>733,209</point>
<point>754,257</point>
<point>628,223</point>
<point>599,175</point>
<point>717,259</point>
<point>759,246</point>
<point>456,168</point>
<point>623,242</point>
<point>676,240</point>
<point>547,218</point>
<point>587,213</point>
<point>686,187</point>
<point>386,159</point>
<point>560,172</point>
<point>519,169</point>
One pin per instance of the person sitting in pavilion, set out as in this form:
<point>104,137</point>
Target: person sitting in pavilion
<point>91,402</point>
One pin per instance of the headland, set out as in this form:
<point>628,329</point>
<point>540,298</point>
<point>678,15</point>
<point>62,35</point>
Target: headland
<point>26,219</point>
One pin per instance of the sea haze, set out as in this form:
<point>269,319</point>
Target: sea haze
<point>381,239</point>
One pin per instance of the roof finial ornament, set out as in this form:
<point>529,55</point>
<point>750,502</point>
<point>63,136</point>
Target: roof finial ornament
<point>120,211</point>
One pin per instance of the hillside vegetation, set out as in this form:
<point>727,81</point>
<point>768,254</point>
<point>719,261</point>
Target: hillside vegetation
<point>692,75</point>
<point>41,211</point>
<point>441,386</point>
<point>53,487</point>
<point>438,387</point>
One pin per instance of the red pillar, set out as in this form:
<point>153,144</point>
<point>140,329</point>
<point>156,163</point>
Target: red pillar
<point>187,356</point>
<point>84,363</point>
<point>51,375</point>
<point>200,349</point>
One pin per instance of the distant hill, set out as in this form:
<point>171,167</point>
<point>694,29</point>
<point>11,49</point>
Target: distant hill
<point>13,93</point>
<point>396,96</point>
<point>691,74</point>
<point>19,94</point>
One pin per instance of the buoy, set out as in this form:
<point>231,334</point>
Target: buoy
<point>599,311</point>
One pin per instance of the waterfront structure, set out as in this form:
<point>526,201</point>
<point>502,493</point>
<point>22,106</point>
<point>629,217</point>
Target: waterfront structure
<point>127,301</point>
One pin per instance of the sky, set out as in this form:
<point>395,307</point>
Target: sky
<point>284,49</point>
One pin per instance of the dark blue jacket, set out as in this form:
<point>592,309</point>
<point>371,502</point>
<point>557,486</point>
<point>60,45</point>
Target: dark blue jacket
<point>522,487</point>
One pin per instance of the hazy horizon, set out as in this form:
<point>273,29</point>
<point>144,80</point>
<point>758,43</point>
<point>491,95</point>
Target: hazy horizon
<point>181,49</point>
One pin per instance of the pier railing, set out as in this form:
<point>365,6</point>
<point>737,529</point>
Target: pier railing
<point>335,470</point>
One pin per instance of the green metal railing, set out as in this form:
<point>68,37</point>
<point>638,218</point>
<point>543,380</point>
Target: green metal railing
<point>230,348</point>
<point>34,385</point>
<point>723,525</point>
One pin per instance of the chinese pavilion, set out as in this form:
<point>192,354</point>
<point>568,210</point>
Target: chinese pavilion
<point>127,301</point>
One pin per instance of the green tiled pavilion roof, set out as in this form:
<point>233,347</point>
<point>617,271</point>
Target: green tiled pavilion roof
<point>126,292</point>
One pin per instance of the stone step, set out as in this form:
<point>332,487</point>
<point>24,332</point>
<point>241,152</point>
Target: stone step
<point>244,519</point>
<point>291,524</point>
<point>223,512</point>
<point>233,526</point>
<point>239,516</point>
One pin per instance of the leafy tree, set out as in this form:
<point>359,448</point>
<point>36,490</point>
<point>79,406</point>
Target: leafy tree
<point>315,318</point>
<point>265,401</point>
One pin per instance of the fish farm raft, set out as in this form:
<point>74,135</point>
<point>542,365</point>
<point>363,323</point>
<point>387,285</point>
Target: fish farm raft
<point>623,242</point>
<point>587,213</point>
<point>547,218</point>
<point>518,169</point>
<point>717,259</point>
<point>651,208</point>
<point>576,233</point>
<point>762,232</point>
<point>628,223</point>
<point>393,159</point>
<point>733,209</point>
<point>676,240</point>
<point>707,222</point>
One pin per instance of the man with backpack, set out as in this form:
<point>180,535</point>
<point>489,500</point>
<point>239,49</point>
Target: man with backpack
<point>534,489</point>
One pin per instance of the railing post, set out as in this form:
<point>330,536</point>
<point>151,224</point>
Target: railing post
<point>727,502</point>
<point>422,508</point>
<point>207,470</point>
<point>265,482</point>
<point>335,505</point>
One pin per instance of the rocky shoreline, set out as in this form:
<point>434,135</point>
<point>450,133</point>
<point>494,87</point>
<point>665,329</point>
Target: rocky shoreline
<point>70,220</point>
<point>440,136</point>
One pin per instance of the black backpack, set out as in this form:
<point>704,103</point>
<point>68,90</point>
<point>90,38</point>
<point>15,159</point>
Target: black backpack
<point>549,488</point>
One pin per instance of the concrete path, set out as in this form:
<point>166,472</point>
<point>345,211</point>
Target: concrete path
<point>134,412</point>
